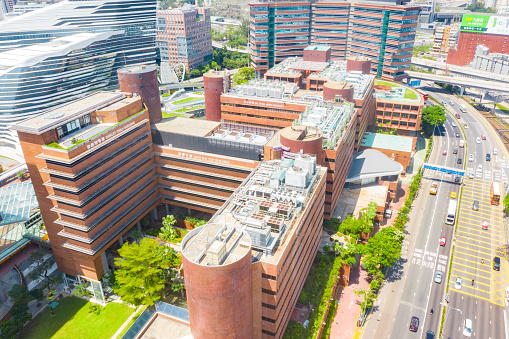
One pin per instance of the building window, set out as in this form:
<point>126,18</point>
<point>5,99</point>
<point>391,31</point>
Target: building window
<point>60,132</point>
<point>264,290</point>
<point>273,321</point>
<point>268,333</point>
<point>272,307</point>
<point>266,276</point>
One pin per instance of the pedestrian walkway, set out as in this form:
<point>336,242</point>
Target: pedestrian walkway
<point>344,325</point>
<point>418,159</point>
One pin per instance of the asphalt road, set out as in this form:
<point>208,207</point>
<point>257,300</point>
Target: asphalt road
<point>474,248</point>
<point>428,257</point>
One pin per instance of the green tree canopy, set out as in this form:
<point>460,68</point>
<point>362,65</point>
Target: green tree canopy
<point>479,7</point>
<point>144,269</point>
<point>243,75</point>
<point>351,227</point>
<point>383,249</point>
<point>432,115</point>
<point>42,263</point>
<point>19,293</point>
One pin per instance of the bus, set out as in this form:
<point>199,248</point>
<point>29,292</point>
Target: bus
<point>451,212</point>
<point>495,193</point>
<point>424,95</point>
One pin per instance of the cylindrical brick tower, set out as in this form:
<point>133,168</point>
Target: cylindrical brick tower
<point>333,88</point>
<point>303,138</point>
<point>214,85</point>
<point>142,80</point>
<point>358,63</point>
<point>219,291</point>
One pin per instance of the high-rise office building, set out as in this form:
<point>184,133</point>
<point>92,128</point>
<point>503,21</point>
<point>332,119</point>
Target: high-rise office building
<point>384,32</point>
<point>68,50</point>
<point>184,36</point>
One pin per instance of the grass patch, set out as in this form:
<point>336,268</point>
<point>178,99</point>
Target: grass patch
<point>189,109</point>
<point>172,115</point>
<point>77,318</point>
<point>409,94</point>
<point>503,108</point>
<point>386,83</point>
<point>186,100</point>
<point>54,144</point>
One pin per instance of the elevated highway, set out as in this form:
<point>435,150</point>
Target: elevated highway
<point>483,85</point>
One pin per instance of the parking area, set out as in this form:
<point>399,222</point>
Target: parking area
<point>479,237</point>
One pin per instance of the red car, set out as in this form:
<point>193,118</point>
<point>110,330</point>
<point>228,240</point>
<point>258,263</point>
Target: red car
<point>444,152</point>
<point>458,116</point>
<point>443,241</point>
<point>484,225</point>
<point>483,137</point>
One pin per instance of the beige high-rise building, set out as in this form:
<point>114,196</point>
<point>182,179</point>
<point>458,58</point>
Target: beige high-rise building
<point>445,38</point>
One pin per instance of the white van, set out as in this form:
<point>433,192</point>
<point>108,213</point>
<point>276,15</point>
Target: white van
<point>462,143</point>
<point>467,328</point>
<point>451,102</point>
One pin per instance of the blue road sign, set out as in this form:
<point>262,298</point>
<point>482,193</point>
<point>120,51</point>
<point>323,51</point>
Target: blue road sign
<point>447,170</point>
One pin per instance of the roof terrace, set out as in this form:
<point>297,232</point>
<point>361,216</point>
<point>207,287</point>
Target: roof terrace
<point>395,92</point>
<point>266,206</point>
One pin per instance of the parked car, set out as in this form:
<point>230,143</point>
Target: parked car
<point>475,205</point>
<point>457,284</point>
<point>414,324</point>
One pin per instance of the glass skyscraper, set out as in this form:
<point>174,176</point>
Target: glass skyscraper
<point>68,50</point>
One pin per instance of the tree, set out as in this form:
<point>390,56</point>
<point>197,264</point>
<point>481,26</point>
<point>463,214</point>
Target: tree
<point>383,249</point>
<point>10,328</point>
<point>19,311</point>
<point>368,216</point>
<point>42,263</point>
<point>168,232</point>
<point>351,227</point>
<point>431,116</point>
<point>243,75</point>
<point>144,268</point>
<point>19,293</point>
<point>479,7</point>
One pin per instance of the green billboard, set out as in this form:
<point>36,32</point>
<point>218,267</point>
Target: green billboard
<point>489,24</point>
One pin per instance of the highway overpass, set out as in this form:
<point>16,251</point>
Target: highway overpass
<point>464,71</point>
<point>461,82</point>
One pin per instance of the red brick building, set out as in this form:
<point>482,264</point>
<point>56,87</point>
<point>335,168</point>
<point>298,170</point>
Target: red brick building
<point>464,52</point>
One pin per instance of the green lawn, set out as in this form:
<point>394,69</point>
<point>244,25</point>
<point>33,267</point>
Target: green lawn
<point>503,108</point>
<point>74,318</point>
<point>187,109</point>
<point>186,100</point>
<point>409,94</point>
<point>386,83</point>
<point>172,115</point>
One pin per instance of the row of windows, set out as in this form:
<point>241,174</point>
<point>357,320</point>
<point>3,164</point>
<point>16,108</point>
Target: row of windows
<point>397,106</point>
<point>267,276</point>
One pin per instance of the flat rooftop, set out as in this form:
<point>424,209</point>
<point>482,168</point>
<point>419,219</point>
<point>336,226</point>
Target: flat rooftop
<point>67,112</point>
<point>257,217</point>
<point>387,141</point>
<point>397,92</point>
<point>372,163</point>
<point>317,48</point>
<point>353,200</point>
<point>194,127</point>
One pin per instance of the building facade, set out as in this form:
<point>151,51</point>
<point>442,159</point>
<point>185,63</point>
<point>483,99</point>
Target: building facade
<point>384,33</point>
<point>490,62</point>
<point>37,72</point>
<point>445,38</point>
<point>487,30</point>
<point>243,285</point>
<point>184,36</point>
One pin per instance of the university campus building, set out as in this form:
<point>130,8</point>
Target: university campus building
<point>381,31</point>
<point>269,163</point>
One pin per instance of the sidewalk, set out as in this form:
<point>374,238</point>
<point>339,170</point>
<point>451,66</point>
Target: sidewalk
<point>344,324</point>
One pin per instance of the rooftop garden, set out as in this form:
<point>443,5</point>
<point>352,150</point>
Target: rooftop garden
<point>75,141</point>
<point>187,100</point>
<point>409,93</point>
<point>173,115</point>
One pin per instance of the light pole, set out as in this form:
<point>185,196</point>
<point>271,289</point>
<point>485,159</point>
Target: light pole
<point>446,314</point>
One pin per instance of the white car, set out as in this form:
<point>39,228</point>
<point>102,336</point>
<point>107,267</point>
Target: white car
<point>438,277</point>
<point>471,157</point>
<point>454,124</point>
<point>478,140</point>
<point>471,175</point>
<point>467,328</point>
<point>495,151</point>
<point>479,168</point>
<point>457,284</point>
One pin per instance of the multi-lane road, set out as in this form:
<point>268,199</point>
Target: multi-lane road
<point>410,289</point>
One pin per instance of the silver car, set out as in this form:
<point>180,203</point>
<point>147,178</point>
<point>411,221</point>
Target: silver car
<point>457,285</point>
<point>438,277</point>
